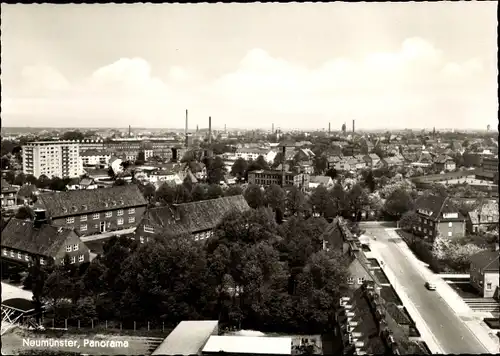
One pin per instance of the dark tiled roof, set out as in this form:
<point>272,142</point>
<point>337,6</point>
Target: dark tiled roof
<point>89,201</point>
<point>195,216</point>
<point>437,205</point>
<point>45,240</point>
<point>92,152</point>
<point>486,260</point>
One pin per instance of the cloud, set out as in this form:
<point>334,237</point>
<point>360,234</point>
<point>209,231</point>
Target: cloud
<point>413,85</point>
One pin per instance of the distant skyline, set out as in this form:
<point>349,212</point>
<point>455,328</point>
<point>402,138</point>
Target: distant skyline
<point>386,65</point>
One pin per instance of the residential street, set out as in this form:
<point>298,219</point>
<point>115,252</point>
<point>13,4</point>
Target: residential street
<point>448,329</point>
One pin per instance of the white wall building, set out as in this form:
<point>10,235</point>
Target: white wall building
<point>95,157</point>
<point>52,158</point>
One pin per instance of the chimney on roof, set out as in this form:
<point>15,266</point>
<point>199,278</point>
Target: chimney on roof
<point>209,129</point>
<point>40,217</point>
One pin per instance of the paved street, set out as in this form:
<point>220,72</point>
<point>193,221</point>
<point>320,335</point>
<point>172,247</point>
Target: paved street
<point>449,331</point>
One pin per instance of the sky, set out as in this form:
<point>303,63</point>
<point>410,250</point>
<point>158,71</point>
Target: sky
<point>299,66</point>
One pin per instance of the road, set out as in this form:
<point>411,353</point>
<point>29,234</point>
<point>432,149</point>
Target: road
<point>449,330</point>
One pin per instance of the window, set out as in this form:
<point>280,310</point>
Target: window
<point>142,239</point>
<point>81,258</point>
<point>361,280</point>
<point>120,212</point>
<point>70,220</point>
<point>73,260</point>
<point>83,227</point>
<point>148,229</point>
<point>450,224</point>
<point>83,218</point>
<point>449,234</point>
<point>26,257</point>
<point>75,247</point>
<point>95,216</point>
<point>131,211</point>
<point>131,219</point>
<point>11,253</point>
<point>4,252</point>
<point>120,221</point>
<point>425,230</point>
<point>68,248</point>
<point>19,255</point>
<point>109,214</point>
<point>488,286</point>
<point>42,261</point>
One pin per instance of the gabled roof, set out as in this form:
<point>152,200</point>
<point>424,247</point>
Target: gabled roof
<point>88,153</point>
<point>85,201</point>
<point>195,216</point>
<point>24,236</point>
<point>487,261</point>
<point>438,205</point>
<point>488,208</point>
<point>320,179</point>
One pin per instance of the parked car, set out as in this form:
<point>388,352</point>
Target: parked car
<point>430,286</point>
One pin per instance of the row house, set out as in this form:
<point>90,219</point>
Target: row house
<point>94,211</point>
<point>198,219</point>
<point>250,153</point>
<point>266,178</point>
<point>24,241</point>
<point>9,194</point>
<point>371,160</point>
<point>95,157</point>
<point>391,162</point>
<point>483,218</point>
<point>438,216</point>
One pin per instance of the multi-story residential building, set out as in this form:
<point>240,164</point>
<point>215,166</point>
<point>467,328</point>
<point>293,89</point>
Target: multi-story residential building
<point>94,157</point>
<point>88,145</point>
<point>445,163</point>
<point>250,153</point>
<point>197,218</point>
<point>484,272</point>
<point>8,195</point>
<point>96,210</point>
<point>265,178</point>
<point>489,169</point>
<point>438,216</point>
<point>23,241</point>
<point>484,217</point>
<point>52,158</point>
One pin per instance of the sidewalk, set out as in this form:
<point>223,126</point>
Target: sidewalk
<point>482,332</point>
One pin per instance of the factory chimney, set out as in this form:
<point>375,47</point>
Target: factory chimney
<point>210,129</point>
<point>353,127</point>
<point>129,131</point>
<point>329,128</point>
<point>272,129</point>
<point>225,128</point>
<point>186,129</point>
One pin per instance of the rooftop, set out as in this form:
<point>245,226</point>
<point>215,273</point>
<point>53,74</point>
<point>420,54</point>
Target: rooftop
<point>249,345</point>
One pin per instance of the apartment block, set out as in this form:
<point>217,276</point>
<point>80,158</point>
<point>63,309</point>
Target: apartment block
<point>52,158</point>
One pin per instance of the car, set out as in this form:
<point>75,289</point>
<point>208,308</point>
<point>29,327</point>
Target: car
<point>430,286</point>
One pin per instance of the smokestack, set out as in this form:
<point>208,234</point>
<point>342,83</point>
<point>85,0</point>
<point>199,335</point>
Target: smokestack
<point>273,129</point>
<point>353,128</point>
<point>225,128</point>
<point>186,130</point>
<point>210,129</point>
<point>329,128</point>
<point>196,128</point>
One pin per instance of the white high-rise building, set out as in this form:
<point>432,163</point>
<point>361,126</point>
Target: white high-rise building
<point>52,158</point>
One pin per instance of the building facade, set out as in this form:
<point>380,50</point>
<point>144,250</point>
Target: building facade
<point>8,195</point>
<point>94,211</point>
<point>266,178</point>
<point>484,273</point>
<point>95,157</point>
<point>52,158</point>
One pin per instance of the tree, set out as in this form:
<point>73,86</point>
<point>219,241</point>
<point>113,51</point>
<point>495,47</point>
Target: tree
<point>58,184</point>
<point>275,197</point>
<point>214,191</point>
<point>278,159</point>
<point>182,195</point>
<point>320,201</point>
<point>320,164</point>
<point>295,201</point>
<point>398,203</point>
<point>165,194</point>
<point>262,163</point>
<point>72,136</point>
<point>254,196</point>
<point>125,164</point>
<point>199,192</point>
<point>43,182</point>
<point>10,177</point>
<point>187,183</point>
<point>239,168</point>
<point>216,171</point>
<point>409,220</point>
<point>4,162</point>
<point>233,190</point>
<point>119,182</point>
<point>370,181</point>
<point>332,173</point>
<point>149,192</point>
<point>25,212</point>
<point>338,199</point>
<point>358,200</point>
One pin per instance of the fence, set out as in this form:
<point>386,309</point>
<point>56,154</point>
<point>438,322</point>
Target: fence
<point>95,324</point>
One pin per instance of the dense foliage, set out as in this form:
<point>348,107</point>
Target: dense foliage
<point>251,274</point>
